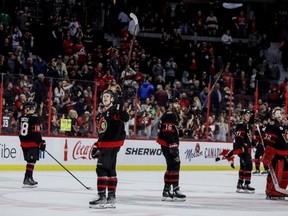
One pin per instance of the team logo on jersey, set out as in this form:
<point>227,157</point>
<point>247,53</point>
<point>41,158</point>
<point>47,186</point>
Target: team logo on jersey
<point>102,126</point>
<point>285,135</point>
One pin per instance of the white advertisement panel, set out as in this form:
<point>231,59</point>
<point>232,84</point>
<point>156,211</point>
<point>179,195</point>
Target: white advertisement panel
<point>77,151</point>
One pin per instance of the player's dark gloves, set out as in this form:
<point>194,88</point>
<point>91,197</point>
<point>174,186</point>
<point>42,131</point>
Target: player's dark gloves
<point>119,102</point>
<point>42,145</point>
<point>95,153</point>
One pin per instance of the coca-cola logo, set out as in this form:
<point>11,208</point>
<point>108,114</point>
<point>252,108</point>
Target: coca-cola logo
<point>82,151</point>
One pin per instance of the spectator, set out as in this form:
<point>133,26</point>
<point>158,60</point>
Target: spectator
<point>253,44</point>
<point>211,24</point>
<point>157,69</point>
<point>16,38</point>
<point>72,115</point>
<point>209,133</point>
<point>62,68</point>
<point>241,24</point>
<point>145,90</point>
<point>203,96</point>
<point>114,87</point>
<point>115,65</point>
<point>227,105</point>
<point>39,66</point>
<point>170,71</point>
<point>183,102</point>
<point>264,45</point>
<point>216,100</point>
<point>199,23</point>
<point>59,93</point>
<point>221,130</point>
<point>275,72</point>
<point>68,46</point>
<point>52,71</point>
<point>40,90</point>
<point>9,96</point>
<point>73,27</point>
<point>227,42</point>
<point>88,95</point>
<point>161,96</point>
<point>185,80</point>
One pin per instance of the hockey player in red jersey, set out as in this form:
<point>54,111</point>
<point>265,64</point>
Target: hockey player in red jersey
<point>276,152</point>
<point>242,147</point>
<point>168,138</point>
<point>31,141</point>
<point>111,136</point>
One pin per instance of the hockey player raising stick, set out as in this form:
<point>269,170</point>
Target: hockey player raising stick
<point>31,141</point>
<point>276,153</point>
<point>111,136</point>
<point>168,138</point>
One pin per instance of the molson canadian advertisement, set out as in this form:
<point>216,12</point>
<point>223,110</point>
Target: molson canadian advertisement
<point>75,154</point>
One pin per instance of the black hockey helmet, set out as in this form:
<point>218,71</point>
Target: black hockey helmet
<point>30,105</point>
<point>108,91</point>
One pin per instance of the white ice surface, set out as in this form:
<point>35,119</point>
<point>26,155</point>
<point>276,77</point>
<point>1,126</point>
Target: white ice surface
<point>209,193</point>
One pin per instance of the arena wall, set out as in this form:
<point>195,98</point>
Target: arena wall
<point>74,154</point>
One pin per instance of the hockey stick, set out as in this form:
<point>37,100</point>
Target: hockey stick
<point>88,188</point>
<point>215,82</point>
<point>271,169</point>
<point>133,17</point>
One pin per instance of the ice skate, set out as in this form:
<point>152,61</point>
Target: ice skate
<point>256,172</point>
<point>265,172</point>
<point>35,182</point>
<point>29,183</point>
<point>99,203</point>
<point>248,189</point>
<point>239,188</point>
<point>111,201</point>
<point>167,195</point>
<point>177,195</point>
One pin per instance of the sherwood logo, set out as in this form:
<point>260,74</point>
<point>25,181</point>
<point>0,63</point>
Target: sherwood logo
<point>143,151</point>
<point>7,152</point>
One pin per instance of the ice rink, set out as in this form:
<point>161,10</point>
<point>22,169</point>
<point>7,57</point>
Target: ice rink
<point>209,193</point>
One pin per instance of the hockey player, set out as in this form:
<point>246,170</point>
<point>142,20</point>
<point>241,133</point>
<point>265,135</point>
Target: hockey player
<point>259,147</point>
<point>31,141</point>
<point>242,147</point>
<point>168,138</point>
<point>276,152</point>
<point>111,136</point>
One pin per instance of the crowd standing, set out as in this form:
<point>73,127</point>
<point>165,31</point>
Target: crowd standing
<point>78,57</point>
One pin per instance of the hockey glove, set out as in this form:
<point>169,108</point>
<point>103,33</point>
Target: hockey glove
<point>95,153</point>
<point>42,145</point>
<point>174,149</point>
<point>119,102</point>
